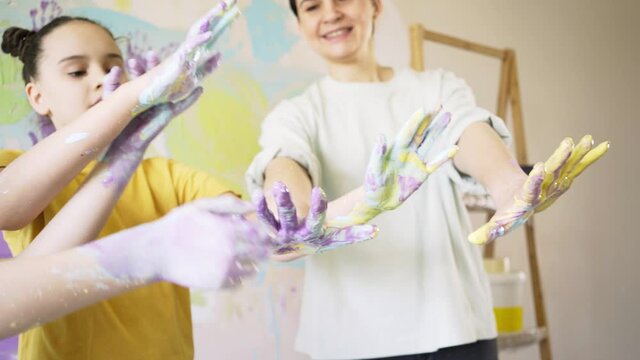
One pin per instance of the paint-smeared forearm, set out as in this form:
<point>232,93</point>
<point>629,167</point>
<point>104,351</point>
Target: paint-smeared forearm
<point>92,204</point>
<point>204,244</point>
<point>40,289</point>
<point>31,182</point>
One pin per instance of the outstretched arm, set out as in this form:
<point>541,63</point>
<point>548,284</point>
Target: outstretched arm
<point>396,170</point>
<point>204,244</point>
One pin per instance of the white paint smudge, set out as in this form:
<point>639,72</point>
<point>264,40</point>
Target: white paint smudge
<point>74,138</point>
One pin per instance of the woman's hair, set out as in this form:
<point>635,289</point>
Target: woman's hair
<point>26,45</point>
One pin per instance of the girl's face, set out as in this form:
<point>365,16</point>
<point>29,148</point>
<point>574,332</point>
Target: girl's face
<point>75,58</point>
<point>340,31</point>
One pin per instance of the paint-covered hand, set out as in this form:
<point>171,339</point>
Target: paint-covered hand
<point>126,150</point>
<point>398,169</point>
<point>206,244</point>
<point>545,184</point>
<point>194,59</point>
<point>310,235</point>
<point>139,66</point>
<point>210,244</point>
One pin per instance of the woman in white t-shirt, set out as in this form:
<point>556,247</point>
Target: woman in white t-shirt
<point>418,290</point>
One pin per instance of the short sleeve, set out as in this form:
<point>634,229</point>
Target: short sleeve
<point>191,184</point>
<point>19,240</point>
<point>8,156</point>
<point>286,132</point>
<point>457,98</point>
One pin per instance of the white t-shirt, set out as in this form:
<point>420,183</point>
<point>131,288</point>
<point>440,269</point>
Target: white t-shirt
<point>419,285</point>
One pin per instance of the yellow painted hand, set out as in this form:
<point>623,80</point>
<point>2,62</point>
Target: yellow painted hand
<point>545,184</point>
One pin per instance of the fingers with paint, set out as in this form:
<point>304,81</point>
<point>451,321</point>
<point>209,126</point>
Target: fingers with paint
<point>545,184</point>
<point>192,61</point>
<point>309,235</point>
<point>204,244</point>
<point>397,169</point>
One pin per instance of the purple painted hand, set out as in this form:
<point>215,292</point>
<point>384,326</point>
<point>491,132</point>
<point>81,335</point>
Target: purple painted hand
<point>183,71</point>
<point>126,151</point>
<point>204,244</point>
<point>308,236</point>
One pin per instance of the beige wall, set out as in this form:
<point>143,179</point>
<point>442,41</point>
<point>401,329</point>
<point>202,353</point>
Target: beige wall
<point>579,74</point>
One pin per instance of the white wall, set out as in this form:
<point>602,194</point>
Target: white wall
<point>578,73</point>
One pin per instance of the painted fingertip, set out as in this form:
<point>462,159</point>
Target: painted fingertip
<point>538,170</point>
<point>374,231</point>
<point>231,3</point>
<point>317,194</point>
<point>282,196</point>
<point>318,200</point>
<point>113,75</point>
<point>453,151</point>
<point>152,59</point>
<point>227,18</point>
<point>442,158</point>
<point>215,59</point>
<point>568,142</point>
<point>115,70</point>
<point>212,63</point>
<point>205,36</point>
<point>419,114</point>
<point>279,187</point>
<point>598,151</point>
<point>381,146</point>
<point>587,139</point>
<point>227,4</point>
<point>443,120</point>
<point>132,63</point>
<point>477,238</point>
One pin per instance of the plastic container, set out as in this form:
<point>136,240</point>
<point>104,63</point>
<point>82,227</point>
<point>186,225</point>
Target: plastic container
<point>507,290</point>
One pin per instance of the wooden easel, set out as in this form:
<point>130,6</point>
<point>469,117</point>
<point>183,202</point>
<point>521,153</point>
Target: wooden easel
<point>508,94</point>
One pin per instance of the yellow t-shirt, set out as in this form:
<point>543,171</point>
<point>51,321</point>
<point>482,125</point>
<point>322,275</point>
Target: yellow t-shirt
<point>153,322</point>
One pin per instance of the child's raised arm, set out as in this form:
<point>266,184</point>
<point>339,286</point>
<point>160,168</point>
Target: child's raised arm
<point>33,180</point>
